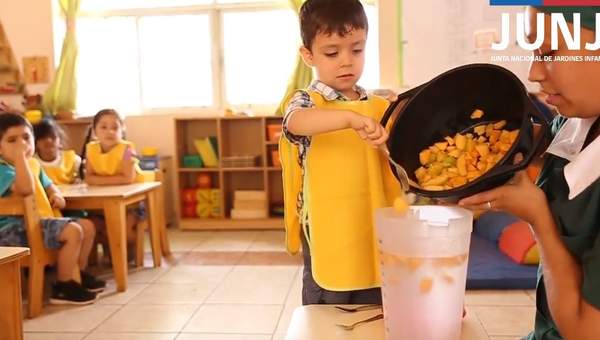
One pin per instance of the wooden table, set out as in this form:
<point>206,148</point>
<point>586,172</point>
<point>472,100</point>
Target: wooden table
<point>318,322</point>
<point>11,315</point>
<point>113,201</point>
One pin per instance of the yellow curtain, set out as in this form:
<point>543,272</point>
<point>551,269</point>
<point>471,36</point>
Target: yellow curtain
<point>62,92</point>
<point>302,75</point>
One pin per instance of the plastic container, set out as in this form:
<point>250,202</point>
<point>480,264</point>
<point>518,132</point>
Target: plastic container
<point>442,107</point>
<point>424,268</point>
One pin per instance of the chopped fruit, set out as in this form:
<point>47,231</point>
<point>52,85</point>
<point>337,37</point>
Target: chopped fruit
<point>457,161</point>
<point>414,263</point>
<point>447,278</point>
<point>401,204</point>
<point>425,285</point>
<point>477,114</point>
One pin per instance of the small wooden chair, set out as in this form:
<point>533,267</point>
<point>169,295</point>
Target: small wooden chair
<point>39,256</point>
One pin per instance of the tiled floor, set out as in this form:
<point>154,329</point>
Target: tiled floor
<point>230,286</point>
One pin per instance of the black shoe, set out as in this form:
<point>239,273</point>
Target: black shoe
<point>71,293</point>
<point>91,283</point>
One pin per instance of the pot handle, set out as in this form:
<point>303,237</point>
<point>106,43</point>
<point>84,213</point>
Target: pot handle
<point>402,96</point>
<point>539,142</point>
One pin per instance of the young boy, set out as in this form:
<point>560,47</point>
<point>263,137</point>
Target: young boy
<point>564,211</point>
<point>20,174</point>
<point>334,175</point>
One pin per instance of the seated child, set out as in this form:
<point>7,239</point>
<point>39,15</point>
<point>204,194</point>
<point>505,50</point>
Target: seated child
<point>111,160</point>
<point>20,174</point>
<point>62,166</point>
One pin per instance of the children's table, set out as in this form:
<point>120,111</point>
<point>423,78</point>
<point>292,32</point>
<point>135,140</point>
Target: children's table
<point>113,201</point>
<point>11,315</point>
<point>318,322</point>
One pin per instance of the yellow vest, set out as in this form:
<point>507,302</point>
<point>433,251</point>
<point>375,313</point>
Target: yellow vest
<point>42,203</point>
<point>111,163</point>
<point>65,172</point>
<point>345,180</point>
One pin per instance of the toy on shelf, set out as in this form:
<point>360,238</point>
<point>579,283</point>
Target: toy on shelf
<point>207,149</point>
<point>204,181</point>
<point>192,161</point>
<point>273,132</point>
<point>249,204</point>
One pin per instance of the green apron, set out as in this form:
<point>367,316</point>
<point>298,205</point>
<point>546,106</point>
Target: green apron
<point>578,222</point>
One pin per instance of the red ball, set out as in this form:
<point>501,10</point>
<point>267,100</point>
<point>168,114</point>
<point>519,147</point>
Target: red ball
<point>204,181</point>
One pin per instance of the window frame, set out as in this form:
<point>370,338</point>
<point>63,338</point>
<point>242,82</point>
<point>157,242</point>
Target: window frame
<point>215,12</point>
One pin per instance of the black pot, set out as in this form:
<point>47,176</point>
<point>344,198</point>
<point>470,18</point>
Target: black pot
<point>442,107</point>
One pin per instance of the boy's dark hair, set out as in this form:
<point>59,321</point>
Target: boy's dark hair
<point>330,16</point>
<point>9,120</point>
<point>48,127</point>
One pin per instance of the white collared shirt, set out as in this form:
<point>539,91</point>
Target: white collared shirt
<point>583,168</point>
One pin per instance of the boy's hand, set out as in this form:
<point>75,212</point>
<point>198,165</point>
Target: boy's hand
<point>57,201</point>
<point>369,129</point>
<point>21,150</point>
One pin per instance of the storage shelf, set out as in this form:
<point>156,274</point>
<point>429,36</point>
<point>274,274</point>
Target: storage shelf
<point>235,136</point>
<point>198,169</point>
<point>248,169</point>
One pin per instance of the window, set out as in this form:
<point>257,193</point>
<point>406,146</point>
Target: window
<point>143,55</point>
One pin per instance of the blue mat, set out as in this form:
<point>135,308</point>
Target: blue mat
<point>489,268</point>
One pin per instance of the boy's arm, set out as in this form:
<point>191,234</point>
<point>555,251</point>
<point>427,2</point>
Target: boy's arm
<point>55,198</point>
<point>23,184</point>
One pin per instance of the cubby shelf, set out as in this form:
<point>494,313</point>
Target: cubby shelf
<point>235,136</point>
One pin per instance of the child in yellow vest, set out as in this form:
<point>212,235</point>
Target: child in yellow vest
<point>62,166</point>
<point>334,176</point>
<point>22,175</point>
<point>111,160</point>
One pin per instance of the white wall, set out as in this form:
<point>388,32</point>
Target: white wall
<point>439,35</point>
<point>28,25</point>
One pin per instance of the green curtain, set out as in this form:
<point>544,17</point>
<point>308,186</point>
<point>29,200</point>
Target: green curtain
<point>62,92</point>
<point>302,75</point>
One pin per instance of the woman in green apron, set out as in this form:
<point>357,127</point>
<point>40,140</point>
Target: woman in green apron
<point>564,209</point>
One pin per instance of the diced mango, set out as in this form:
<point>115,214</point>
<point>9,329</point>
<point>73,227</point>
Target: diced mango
<point>461,164</point>
<point>499,125</point>
<point>455,153</point>
<point>482,149</point>
<point>480,130</point>
<point>420,173</point>
<point>401,204</point>
<point>495,136</point>
<point>458,181</point>
<point>425,285</point>
<point>460,141</point>
<point>449,140</point>
<point>441,146</point>
<point>438,180</point>
<point>477,114</point>
<point>424,157</point>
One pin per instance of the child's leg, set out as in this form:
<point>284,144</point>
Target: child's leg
<point>89,234</point>
<point>71,237</point>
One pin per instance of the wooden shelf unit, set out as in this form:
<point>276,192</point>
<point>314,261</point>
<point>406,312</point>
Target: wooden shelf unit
<point>236,136</point>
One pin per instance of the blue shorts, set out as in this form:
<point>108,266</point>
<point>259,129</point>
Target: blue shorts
<point>14,234</point>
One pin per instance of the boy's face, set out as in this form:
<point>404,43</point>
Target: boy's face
<point>17,140</point>
<point>571,86</point>
<point>108,131</point>
<point>338,61</point>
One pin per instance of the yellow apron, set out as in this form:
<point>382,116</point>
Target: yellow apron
<point>42,203</point>
<point>65,172</point>
<point>345,181</point>
<point>111,163</point>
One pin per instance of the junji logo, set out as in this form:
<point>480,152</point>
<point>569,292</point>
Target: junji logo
<point>558,23</point>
